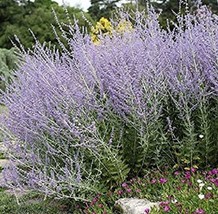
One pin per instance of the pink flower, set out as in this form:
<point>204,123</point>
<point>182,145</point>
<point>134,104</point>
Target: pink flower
<point>128,190</point>
<point>214,181</point>
<point>94,201</point>
<point>187,175</point>
<point>193,170</point>
<point>163,180</point>
<point>124,185</point>
<point>199,211</point>
<point>167,208</point>
<point>164,203</point>
<point>138,190</point>
<point>153,181</point>
<point>214,171</point>
<point>176,173</point>
<point>208,195</point>
<point>147,210</point>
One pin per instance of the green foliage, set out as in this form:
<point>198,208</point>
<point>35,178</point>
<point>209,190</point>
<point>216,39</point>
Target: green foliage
<point>114,169</point>
<point>114,165</point>
<point>190,141</point>
<point>169,8</point>
<point>17,19</point>
<point>8,61</point>
<point>193,138</point>
<point>31,203</point>
<point>207,131</point>
<point>102,8</point>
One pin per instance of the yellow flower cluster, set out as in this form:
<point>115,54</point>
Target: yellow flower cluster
<point>124,26</point>
<point>104,27</point>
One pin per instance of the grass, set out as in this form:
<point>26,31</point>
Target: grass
<point>31,203</point>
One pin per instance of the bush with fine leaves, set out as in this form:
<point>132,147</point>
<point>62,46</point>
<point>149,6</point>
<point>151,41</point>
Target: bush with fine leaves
<point>8,61</point>
<point>95,114</point>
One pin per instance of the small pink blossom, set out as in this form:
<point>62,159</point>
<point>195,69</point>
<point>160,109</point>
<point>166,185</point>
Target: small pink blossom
<point>153,181</point>
<point>163,180</point>
<point>188,175</point>
<point>128,190</point>
<point>167,208</point>
<point>164,203</point>
<point>176,173</point>
<point>147,210</point>
<point>193,170</point>
<point>138,190</point>
<point>214,181</point>
<point>214,171</point>
<point>124,185</point>
<point>208,195</point>
<point>183,181</point>
<point>199,211</point>
<point>94,201</point>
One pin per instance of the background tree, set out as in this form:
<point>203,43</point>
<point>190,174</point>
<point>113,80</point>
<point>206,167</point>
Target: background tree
<point>102,8</point>
<point>17,17</point>
<point>169,8</point>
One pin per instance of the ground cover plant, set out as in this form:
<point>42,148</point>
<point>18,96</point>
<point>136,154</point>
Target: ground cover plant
<point>83,121</point>
<point>189,191</point>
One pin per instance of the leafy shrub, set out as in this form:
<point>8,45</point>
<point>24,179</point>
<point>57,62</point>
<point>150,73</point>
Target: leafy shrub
<point>96,114</point>
<point>7,64</point>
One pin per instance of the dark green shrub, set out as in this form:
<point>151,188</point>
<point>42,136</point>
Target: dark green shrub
<point>8,61</point>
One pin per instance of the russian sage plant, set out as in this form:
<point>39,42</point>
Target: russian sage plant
<point>95,114</point>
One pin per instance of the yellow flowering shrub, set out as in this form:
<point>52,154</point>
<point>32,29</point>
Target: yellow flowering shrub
<point>105,27</point>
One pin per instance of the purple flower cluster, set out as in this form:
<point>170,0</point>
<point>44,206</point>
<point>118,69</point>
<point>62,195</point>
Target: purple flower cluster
<point>59,99</point>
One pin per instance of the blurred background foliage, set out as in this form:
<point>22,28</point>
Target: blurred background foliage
<point>17,17</point>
